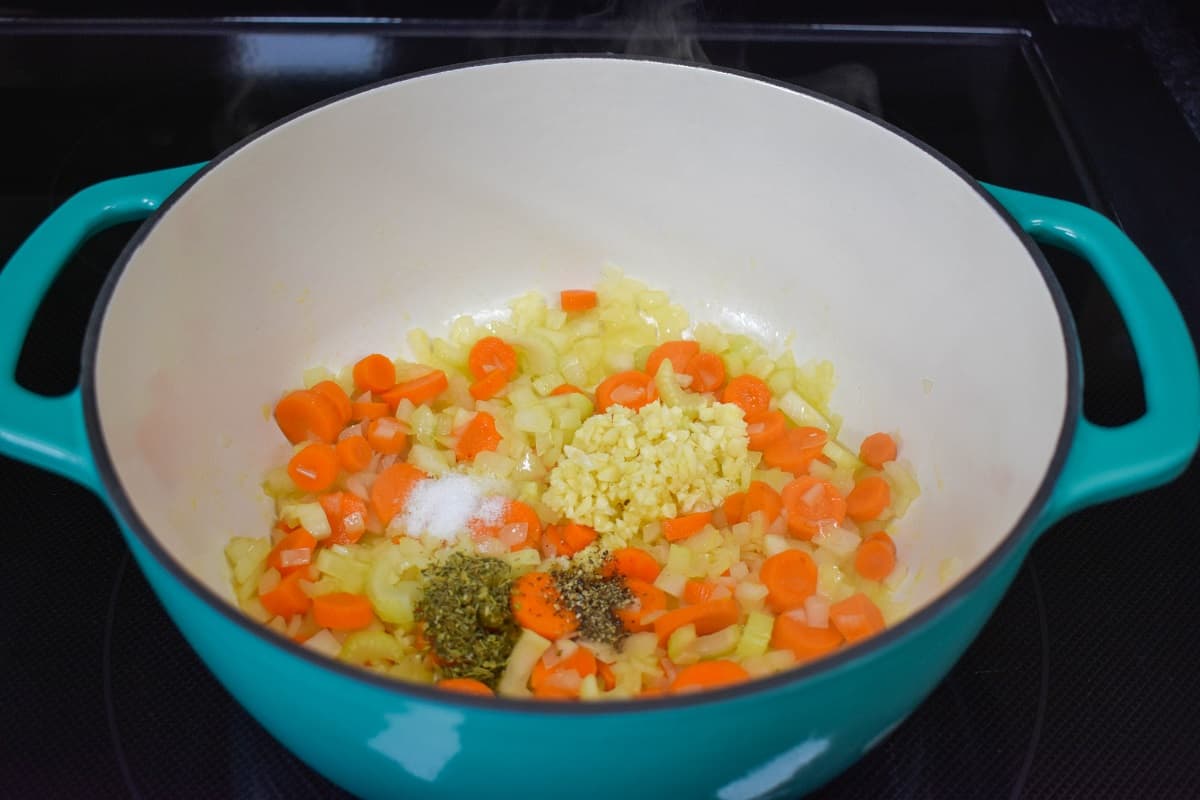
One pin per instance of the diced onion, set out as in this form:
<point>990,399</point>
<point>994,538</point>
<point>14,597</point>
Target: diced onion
<point>324,642</point>
<point>295,558</point>
<point>490,546</point>
<point>672,583</point>
<point>816,609</point>
<point>514,534</point>
<point>797,614</point>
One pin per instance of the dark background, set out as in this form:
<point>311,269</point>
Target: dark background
<point>1083,684</point>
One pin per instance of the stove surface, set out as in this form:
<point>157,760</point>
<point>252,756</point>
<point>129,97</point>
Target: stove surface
<point>1082,684</point>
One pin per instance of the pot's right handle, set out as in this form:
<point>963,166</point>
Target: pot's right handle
<point>1107,463</point>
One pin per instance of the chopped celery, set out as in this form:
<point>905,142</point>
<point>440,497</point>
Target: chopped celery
<point>680,643</point>
<point>525,653</point>
<point>716,645</point>
<point>309,516</point>
<point>756,635</point>
<point>371,647</point>
<point>349,572</point>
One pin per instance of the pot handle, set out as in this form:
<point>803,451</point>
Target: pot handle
<point>49,432</point>
<point>1107,463</point>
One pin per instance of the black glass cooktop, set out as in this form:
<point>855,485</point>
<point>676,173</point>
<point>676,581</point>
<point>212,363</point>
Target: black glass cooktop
<point>1082,685</point>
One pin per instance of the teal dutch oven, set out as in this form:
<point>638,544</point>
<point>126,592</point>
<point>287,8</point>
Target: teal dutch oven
<point>760,207</point>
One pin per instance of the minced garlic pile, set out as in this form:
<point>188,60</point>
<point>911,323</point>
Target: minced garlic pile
<point>626,468</point>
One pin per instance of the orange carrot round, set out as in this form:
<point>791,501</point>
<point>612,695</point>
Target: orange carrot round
<point>342,611</point>
<point>749,393</point>
<point>387,435</point>
<point>734,508</point>
<point>856,618</point>
<point>315,468</point>
<point>417,391</point>
<point>633,562</point>
<point>868,499</point>
<point>567,539</point>
<point>489,385</point>
<point>577,299</point>
<point>795,450</point>
<point>536,605</point>
<point>375,373</point>
<point>709,675</point>
<point>367,410</point>
<point>877,449</point>
<point>698,591</point>
<point>492,353</point>
<point>647,599</point>
<point>294,541</point>
<point>466,686</point>
<point>762,498</point>
<point>707,371</point>
<point>336,395</point>
<point>354,453</point>
<point>809,502</point>
<point>306,415</point>
<point>582,662</point>
<point>287,598</point>
<point>876,557</point>
<point>790,578</point>
<point>631,389</point>
<point>708,617</point>
<point>680,528</point>
<point>477,436</point>
<point>680,352</point>
<point>347,515</point>
<point>764,428</point>
<point>391,488</point>
<point>515,513</point>
<point>566,388</point>
<point>805,641</point>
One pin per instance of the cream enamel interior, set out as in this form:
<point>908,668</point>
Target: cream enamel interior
<point>765,210</point>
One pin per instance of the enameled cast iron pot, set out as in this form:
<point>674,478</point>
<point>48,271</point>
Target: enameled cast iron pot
<point>759,206</point>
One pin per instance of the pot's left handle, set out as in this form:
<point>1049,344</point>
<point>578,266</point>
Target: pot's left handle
<point>48,432</point>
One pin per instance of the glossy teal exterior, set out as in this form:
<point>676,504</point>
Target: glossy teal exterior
<point>783,739</point>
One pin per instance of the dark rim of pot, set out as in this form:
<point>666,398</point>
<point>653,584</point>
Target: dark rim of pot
<point>775,683</point>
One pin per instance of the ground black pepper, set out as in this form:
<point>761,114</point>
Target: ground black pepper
<point>594,597</point>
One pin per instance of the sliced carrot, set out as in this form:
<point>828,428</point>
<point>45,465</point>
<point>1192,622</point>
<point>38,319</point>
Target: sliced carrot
<point>489,385</point>
<point>680,352</point>
<point>680,528</point>
<point>707,371</point>
<point>492,353</point>
<point>307,415</point>
<point>417,391</point>
<point>876,557</point>
<point>536,605</point>
<point>391,489</point>
<point>294,542</point>
<point>765,428</point>
<point>856,618</point>
<point>749,393</point>
<point>582,662</point>
<point>567,539</point>
<point>708,617</point>
<point>877,449</point>
<point>367,410</point>
<point>287,598</point>
<point>868,499</point>
<point>347,515</point>
<point>477,436</point>
<point>709,675</point>
<point>633,562</point>
<point>354,453</point>
<point>577,299</point>
<point>805,641</point>
<point>607,677</point>
<point>808,503</point>
<point>795,450</point>
<point>567,388</point>
<point>466,686</point>
<point>387,436</point>
<point>315,468</point>
<point>336,395</point>
<point>761,497</point>
<point>515,513</point>
<point>342,611</point>
<point>790,578</point>
<point>375,373</point>
<point>698,591</point>
<point>647,599</point>
<point>734,508</point>
<point>631,389</point>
